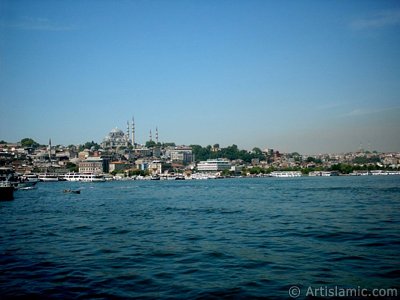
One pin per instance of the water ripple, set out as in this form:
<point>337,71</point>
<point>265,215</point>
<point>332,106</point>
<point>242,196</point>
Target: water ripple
<point>228,239</point>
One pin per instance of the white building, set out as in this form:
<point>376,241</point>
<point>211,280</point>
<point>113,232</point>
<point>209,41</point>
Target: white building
<point>180,154</point>
<point>155,167</point>
<point>213,165</point>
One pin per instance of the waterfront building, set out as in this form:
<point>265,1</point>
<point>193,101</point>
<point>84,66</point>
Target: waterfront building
<point>118,166</point>
<point>180,154</point>
<point>236,169</point>
<point>94,165</point>
<point>142,164</point>
<point>155,167</point>
<point>213,165</point>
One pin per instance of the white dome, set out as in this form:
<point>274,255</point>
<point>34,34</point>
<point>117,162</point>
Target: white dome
<point>116,137</point>
<point>116,131</point>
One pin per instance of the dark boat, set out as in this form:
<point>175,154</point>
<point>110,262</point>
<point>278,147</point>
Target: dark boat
<point>72,191</point>
<point>9,177</point>
<point>6,191</point>
<point>19,185</point>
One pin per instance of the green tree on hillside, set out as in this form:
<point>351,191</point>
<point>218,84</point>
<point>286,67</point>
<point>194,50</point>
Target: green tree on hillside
<point>89,145</point>
<point>29,143</point>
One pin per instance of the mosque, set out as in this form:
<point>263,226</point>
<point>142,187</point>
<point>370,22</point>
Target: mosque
<point>117,138</point>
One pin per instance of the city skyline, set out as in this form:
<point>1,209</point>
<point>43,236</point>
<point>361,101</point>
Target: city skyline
<point>312,77</point>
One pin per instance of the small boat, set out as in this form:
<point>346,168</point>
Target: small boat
<point>6,191</point>
<point>72,191</point>
<point>18,185</point>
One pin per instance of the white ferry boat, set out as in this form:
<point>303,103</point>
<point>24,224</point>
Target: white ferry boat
<point>286,174</point>
<point>324,173</point>
<point>85,177</point>
<point>202,176</point>
<point>47,177</point>
<point>30,177</point>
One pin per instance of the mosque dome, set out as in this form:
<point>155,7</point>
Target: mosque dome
<point>115,138</point>
<point>116,131</point>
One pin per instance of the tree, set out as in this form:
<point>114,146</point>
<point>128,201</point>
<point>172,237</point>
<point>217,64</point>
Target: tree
<point>256,170</point>
<point>150,144</point>
<point>164,145</point>
<point>29,143</point>
<point>89,145</point>
<point>200,153</point>
<point>310,159</point>
<point>343,168</point>
<point>72,167</point>
<point>366,160</point>
<point>257,150</point>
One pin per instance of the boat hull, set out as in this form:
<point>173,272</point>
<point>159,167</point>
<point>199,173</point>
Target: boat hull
<point>6,193</point>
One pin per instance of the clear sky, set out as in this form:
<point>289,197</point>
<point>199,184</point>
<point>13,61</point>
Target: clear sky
<point>305,76</point>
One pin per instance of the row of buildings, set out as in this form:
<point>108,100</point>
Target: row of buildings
<point>120,154</point>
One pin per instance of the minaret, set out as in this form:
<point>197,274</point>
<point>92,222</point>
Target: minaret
<point>127,133</point>
<point>133,132</point>
<point>50,150</point>
<point>156,135</point>
<point>151,137</point>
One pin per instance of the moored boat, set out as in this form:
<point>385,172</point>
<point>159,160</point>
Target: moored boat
<point>6,191</point>
<point>47,177</point>
<point>30,177</point>
<point>84,177</point>
<point>286,174</point>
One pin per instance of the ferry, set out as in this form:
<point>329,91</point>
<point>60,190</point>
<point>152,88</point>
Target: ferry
<point>170,177</point>
<point>47,177</point>
<point>286,174</point>
<point>202,176</point>
<point>30,177</point>
<point>324,173</point>
<point>84,177</point>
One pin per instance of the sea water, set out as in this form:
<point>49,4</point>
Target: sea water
<point>230,238</point>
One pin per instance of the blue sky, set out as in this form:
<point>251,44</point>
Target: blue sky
<point>306,76</point>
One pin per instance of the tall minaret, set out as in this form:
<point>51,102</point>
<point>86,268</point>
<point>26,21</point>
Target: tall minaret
<point>133,132</point>
<point>127,133</point>
<point>151,137</point>
<point>156,135</point>
<point>50,150</point>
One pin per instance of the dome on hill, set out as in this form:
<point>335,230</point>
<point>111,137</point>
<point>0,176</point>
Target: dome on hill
<point>115,138</point>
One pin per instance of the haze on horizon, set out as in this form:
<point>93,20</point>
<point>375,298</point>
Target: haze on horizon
<point>305,76</point>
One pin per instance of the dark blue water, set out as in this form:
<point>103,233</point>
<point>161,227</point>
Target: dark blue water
<point>232,238</point>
